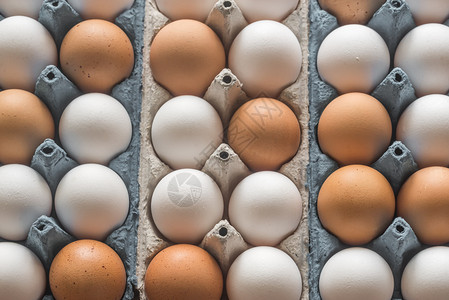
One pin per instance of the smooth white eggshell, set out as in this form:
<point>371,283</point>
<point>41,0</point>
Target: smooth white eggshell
<point>356,273</point>
<point>265,207</point>
<point>94,128</point>
<point>24,197</point>
<point>429,11</point>
<point>263,273</point>
<point>426,276</point>
<point>22,276</point>
<point>424,129</point>
<point>26,48</point>
<point>100,9</point>
<point>186,204</point>
<point>256,10</point>
<point>353,58</point>
<point>29,8</point>
<point>266,57</point>
<point>91,201</point>
<point>186,9</point>
<point>423,54</point>
<point>186,130</point>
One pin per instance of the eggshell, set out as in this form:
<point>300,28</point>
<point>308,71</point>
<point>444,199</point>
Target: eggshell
<point>356,203</point>
<point>96,55</point>
<point>24,197</point>
<point>20,61</point>
<point>22,276</point>
<point>186,130</point>
<point>265,208</point>
<point>28,8</point>
<point>91,201</point>
<point>426,276</point>
<point>423,202</point>
<point>24,124</point>
<point>94,128</point>
<point>429,11</point>
<point>183,272</point>
<point>100,9</point>
<point>263,273</point>
<point>185,57</point>
<point>423,54</point>
<point>351,11</point>
<point>266,57</point>
<point>354,128</point>
<point>423,128</point>
<point>256,10</point>
<point>356,273</point>
<point>88,270</point>
<point>265,133</point>
<point>353,58</point>
<point>181,9</point>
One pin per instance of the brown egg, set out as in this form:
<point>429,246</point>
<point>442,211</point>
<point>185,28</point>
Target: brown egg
<point>25,122</point>
<point>88,270</point>
<point>96,55</point>
<point>183,272</point>
<point>265,133</point>
<point>185,57</point>
<point>351,11</point>
<point>356,203</point>
<point>423,202</point>
<point>354,128</point>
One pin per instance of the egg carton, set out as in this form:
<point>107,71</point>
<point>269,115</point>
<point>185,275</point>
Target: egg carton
<point>225,94</point>
<point>46,237</point>
<point>398,244</point>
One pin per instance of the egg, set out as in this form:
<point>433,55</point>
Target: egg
<point>96,55</point>
<point>423,201</point>
<point>429,11</point>
<point>100,9</point>
<point>22,275</point>
<point>95,128</point>
<point>423,128</point>
<point>356,203</point>
<point>186,204</point>
<point>266,57</point>
<point>256,10</point>
<point>185,57</point>
<point>91,201</point>
<point>186,130</point>
<point>354,128</point>
<point>423,54</point>
<point>426,275</point>
<point>351,11</point>
<point>265,208</point>
<point>25,123</point>
<point>353,58</point>
<point>87,269</point>
<point>180,9</point>
<point>356,273</point>
<point>20,62</point>
<point>263,273</point>
<point>183,272</point>
<point>28,8</point>
<point>265,133</point>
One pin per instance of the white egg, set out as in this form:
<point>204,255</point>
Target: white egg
<point>424,129</point>
<point>95,128</point>
<point>186,9</point>
<point>24,197</point>
<point>353,58</point>
<point>263,273</point>
<point>100,9</point>
<point>256,10</point>
<point>22,276</point>
<point>356,273</point>
<point>265,208</point>
<point>186,204</point>
<point>26,48</point>
<point>426,276</point>
<point>186,130</point>
<point>29,8</point>
<point>91,201</point>
<point>429,11</point>
<point>423,54</point>
<point>266,57</point>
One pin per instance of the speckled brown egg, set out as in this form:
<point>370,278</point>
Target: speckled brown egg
<point>96,55</point>
<point>183,272</point>
<point>88,270</point>
<point>351,11</point>
<point>25,122</point>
